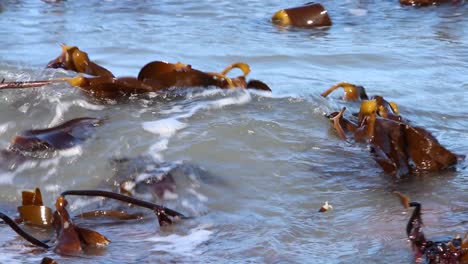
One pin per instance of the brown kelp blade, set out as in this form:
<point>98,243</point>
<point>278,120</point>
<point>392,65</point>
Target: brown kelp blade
<point>308,16</point>
<point>156,69</point>
<point>91,238</point>
<point>63,136</point>
<point>258,85</point>
<point>351,92</point>
<point>73,59</point>
<point>21,232</point>
<point>404,199</point>
<point>36,215</point>
<point>47,260</point>
<point>32,198</point>
<point>161,210</point>
<point>68,240</point>
<point>119,215</point>
<point>33,211</point>
<point>167,75</point>
<point>426,152</point>
<point>118,88</point>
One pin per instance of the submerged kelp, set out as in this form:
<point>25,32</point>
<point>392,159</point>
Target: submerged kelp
<point>397,146</point>
<point>45,143</point>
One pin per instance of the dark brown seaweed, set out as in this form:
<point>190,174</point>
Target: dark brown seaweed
<point>307,16</point>
<point>164,214</point>
<point>63,136</point>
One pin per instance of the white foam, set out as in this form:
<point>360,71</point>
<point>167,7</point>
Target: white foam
<point>182,245</point>
<point>358,11</point>
<point>164,127</point>
<point>63,107</point>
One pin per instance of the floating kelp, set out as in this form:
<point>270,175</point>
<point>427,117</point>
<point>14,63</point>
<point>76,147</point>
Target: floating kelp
<point>33,210</point>
<point>454,251</point>
<point>73,59</point>
<point>309,15</point>
<point>397,146</point>
<point>70,238</point>
<point>63,136</point>
<point>156,76</point>
<point>426,2</point>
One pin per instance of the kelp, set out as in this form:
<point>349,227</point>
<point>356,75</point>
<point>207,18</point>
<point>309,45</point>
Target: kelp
<point>427,2</point>
<point>71,239</point>
<point>43,143</point>
<point>309,15</point>
<point>33,210</point>
<point>397,146</point>
<point>454,251</point>
<point>165,215</point>
<point>63,136</point>
<point>156,76</point>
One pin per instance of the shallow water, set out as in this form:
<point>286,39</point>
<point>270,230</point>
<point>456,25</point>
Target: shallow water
<point>269,160</point>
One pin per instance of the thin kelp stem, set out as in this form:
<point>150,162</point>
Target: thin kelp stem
<point>126,199</point>
<point>22,233</point>
<point>20,85</point>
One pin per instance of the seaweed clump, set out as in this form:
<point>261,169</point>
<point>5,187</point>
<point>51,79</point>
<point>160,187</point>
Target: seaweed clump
<point>396,145</point>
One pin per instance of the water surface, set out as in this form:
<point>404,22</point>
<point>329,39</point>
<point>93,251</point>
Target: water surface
<point>269,160</point>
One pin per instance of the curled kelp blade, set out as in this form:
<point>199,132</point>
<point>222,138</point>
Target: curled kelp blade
<point>337,120</point>
<point>74,59</point>
<point>308,16</point>
<point>68,240</point>
<point>258,85</point>
<point>63,136</point>
<point>161,211</point>
<point>10,222</point>
<point>91,238</point>
<point>113,214</point>
<point>351,92</point>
